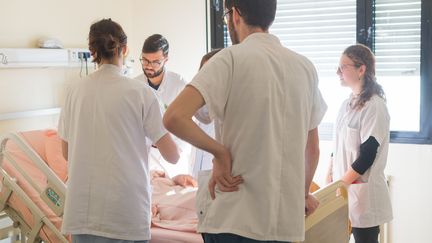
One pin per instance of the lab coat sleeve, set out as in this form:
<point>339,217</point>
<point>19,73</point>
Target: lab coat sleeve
<point>213,82</point>
<point>319,106</point>
<point>375,121</point>
<point>153,126</point>
<point>64,120</point>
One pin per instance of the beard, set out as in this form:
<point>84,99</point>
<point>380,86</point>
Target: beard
<point>154,74</point>
<point>233,32</point>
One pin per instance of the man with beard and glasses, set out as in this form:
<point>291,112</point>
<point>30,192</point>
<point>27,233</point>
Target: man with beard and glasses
<point>166,85</point>
<point>154,56</point>
<point>267,101</point>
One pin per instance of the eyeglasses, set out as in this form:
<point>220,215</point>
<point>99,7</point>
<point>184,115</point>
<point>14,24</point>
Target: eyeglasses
<point>154,64</point>
<point>342,68</point>
<point>224,16</point>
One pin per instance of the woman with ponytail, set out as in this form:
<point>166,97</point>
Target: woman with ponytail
<point>104,124</point>
<point>361,144</point>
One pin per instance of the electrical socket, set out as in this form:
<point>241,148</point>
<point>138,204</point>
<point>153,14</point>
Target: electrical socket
<point>78,55</point>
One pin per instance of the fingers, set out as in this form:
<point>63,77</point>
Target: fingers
<point>311,204</point>
<point>228,183</point>
<point>194,183</point>
<point>224,184</point>
<point>212,187</point>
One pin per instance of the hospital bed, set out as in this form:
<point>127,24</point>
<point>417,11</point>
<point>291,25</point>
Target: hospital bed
<point>32,195</point>
<point>329,223</point>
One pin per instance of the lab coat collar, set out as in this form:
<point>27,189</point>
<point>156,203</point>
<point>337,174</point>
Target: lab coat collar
<point>110,67</point>
<point>261,36</point>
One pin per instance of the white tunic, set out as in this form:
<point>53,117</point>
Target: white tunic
<point>172,84</point>
<point>267,100</point>
<point>105,120</point>
<point>204,160</point>
<point>170,87</point>
<point>369,200</point>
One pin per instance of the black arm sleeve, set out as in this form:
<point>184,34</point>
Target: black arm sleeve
<point>368,151</point>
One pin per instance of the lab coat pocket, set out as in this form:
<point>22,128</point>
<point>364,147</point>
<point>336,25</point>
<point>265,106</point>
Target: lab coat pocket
<point>352,139</point>
<point>203,198</point>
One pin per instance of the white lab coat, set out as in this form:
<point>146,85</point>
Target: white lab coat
<point>172,84</point>
<point>204,160</point>
<point>267,99</point>
<point>369,200</point>
<point>105,120</point>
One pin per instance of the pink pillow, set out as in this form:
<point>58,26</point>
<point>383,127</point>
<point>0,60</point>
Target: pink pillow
<point>36,139</point>
<point>54,154</point>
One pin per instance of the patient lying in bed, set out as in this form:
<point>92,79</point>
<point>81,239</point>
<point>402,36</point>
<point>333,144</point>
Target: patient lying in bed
<point>173,202</point>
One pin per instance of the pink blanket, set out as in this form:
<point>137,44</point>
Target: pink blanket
<point>173,206</point>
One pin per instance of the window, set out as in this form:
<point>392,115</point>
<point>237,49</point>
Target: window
<point>399,33</point>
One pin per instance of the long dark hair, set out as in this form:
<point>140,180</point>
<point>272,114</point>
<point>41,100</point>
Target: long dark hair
<point>106,37</point>
<point>362,55</point>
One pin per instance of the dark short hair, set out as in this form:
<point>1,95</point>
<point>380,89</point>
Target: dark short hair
<point>207,56</point>
<point>156,43</point>
<point>105,38</point>
<point>259,13</point>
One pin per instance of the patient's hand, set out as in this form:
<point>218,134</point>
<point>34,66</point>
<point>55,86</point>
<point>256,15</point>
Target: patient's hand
<point>157,174</point>
<point>185,181</point>
<point>311,204</point>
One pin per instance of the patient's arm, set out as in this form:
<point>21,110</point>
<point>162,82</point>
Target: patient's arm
<point>180,180</point>
<point>168,149</point>
<point>185,181</point>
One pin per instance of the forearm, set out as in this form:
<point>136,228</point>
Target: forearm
<point>178,120</point>
<point>311,158</point>
<point>350,176</point>
<point>187,130</point>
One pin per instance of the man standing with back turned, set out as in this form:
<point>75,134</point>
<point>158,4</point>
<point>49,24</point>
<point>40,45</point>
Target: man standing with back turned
<point>267,100</point>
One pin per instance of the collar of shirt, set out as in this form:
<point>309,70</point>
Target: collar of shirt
<point>261,36</point>
<point>161,86</point>
<point>110,67</point>
<point>155,87</point>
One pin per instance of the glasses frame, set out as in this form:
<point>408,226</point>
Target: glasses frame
<point>154,64</point>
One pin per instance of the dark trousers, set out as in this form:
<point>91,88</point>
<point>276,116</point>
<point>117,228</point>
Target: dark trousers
<point>231,238</point>
<point>366,235</point>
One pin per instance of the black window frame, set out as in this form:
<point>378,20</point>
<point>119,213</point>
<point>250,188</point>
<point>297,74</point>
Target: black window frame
<point>365,35</point>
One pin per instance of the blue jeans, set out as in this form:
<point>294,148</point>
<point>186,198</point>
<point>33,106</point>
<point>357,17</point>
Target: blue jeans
<point>231,238</point>
<point>100,239</point>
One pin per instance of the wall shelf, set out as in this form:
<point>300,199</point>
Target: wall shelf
<point>42,58</point>
<point>29,114</point>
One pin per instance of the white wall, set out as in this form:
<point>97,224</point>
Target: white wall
<point>183,23</point>
<point>23,22</point>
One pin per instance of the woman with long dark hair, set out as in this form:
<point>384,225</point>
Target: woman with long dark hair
<point>361,144</point>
